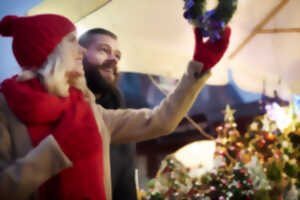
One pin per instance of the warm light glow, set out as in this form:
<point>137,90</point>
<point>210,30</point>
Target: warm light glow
<point>197,154</point>
<point>278,114</point>
<point>270,136</point>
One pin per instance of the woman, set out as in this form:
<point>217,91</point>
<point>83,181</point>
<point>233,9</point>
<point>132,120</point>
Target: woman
<point>54,139</point>
<point>48,110</point>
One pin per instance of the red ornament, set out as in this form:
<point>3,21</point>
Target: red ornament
<point>261,143</point>
<point>243,171</point>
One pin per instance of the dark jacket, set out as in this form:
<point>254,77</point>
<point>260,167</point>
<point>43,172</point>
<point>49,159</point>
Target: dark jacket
<point>122,156</point>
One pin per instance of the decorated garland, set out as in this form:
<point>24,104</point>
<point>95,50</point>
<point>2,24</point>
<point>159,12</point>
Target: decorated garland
<point>211,22</point>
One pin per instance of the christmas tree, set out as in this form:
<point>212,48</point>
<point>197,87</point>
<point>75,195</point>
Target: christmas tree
<point>261,164</point>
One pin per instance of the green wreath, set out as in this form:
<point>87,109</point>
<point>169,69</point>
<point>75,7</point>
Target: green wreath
<point>209,22</point>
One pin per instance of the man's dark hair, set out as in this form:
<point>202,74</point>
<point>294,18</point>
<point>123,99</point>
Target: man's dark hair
<point>87,38</point>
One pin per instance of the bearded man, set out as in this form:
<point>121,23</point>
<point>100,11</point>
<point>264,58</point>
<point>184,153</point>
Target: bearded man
<point>100,63</point>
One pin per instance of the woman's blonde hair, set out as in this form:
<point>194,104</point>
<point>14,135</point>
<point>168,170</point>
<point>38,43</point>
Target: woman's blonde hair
<point>52,74</point>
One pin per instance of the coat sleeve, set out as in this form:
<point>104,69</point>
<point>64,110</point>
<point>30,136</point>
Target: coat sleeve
<point>20,177</point>
<point>142,124</point>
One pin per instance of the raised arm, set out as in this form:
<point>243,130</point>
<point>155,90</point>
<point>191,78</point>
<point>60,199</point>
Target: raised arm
<point>138,125</point>
<point>143,124</point>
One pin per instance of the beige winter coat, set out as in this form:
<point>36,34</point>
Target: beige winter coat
<point>24,168</point>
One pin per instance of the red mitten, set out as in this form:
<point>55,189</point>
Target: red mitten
<point>210,53</point>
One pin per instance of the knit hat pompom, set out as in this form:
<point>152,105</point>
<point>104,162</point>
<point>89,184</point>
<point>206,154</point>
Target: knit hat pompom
<point>7,24</point>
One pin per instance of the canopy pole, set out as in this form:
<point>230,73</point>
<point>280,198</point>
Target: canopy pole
<point>258,28</point>
<point>280,30</point>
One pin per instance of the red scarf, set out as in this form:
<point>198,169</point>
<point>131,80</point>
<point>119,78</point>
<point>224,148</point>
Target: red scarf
<point>70,120</point>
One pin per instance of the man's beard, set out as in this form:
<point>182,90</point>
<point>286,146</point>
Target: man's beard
<point>110,96</point>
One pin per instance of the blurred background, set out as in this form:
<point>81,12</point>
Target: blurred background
<point>260,67</point>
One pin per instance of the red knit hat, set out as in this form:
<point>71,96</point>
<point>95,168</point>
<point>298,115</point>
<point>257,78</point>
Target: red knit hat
<point>35,37</point>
